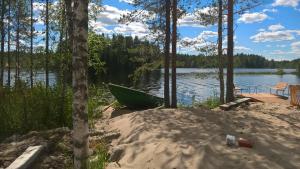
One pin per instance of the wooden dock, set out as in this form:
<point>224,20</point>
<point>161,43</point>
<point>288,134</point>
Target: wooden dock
<point>267,98</point>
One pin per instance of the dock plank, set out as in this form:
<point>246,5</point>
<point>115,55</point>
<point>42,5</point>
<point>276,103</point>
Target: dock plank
<point>267,98</point>
<point>229,105</point>
<point>25,160</point>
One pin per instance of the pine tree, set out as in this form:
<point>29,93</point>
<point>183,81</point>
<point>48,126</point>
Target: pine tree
<point>31,43</point>
<point>167,55</point>
<point>47,44</point>
<point>220,49</point>
<point>3,5</point>
<point>229,82</point>
<point>174,53</point>
<point>8,44</point>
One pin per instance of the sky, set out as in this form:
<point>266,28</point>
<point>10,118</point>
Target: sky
<point>271,29</point>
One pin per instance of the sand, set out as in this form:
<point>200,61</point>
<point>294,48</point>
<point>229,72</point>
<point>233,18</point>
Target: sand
<point>195,138</point>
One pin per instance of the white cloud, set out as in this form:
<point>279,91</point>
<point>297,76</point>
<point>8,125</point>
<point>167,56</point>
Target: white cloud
<point>133,29</point>
<point>276,27</point>
<point>110,15</point>
<point>296,47</point>
<point>38,6</point>
<point>281,46</point>
<point>127,1</point>
<point>253,17</point>
<point>193,20</point>
<point>189,20</point>
<point>278,52</point>
<point>273,10</point>
<point>291,3</point>
<point>272,36</point>
<point>241,48</point>
<point>261,30</point>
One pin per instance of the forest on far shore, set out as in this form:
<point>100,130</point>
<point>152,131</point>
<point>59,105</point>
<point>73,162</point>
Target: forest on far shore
<point>132,55</point>
<point>241,60</point>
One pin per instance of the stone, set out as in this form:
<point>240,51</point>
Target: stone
<point>116,154</point>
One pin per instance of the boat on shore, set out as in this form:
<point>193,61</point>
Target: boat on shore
<point>133,98</point>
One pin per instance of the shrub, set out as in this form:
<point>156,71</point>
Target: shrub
<point>280,72</point>
<point>23,109</point>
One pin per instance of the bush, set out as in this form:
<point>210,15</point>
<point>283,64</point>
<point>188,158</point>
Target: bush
<point>24,109</point>
<point>280,72</point>
<point>211,102</point>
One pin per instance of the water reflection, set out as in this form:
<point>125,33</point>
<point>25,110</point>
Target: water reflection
<point>192,84</point>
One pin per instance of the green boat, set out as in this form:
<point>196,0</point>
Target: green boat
<point>134,98</point>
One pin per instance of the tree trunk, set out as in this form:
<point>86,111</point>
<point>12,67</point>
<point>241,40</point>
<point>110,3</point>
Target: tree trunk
<point>47,44</point>
<point>63,64</point>
<point>17,56</point>
<point>2,43</point>
<point>229,84</point>
<point>80,86</point>
<point>167,55</point>
<point>174,52</point>
<point>8,45</point>
<point>69,13</point>
<point>31,43</point>
<point>220,50</point>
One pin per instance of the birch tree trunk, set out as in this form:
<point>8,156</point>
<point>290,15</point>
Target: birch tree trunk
<point>80,86</point>
<point>167,55</point>
<point>174,52</point>
<point>220,50</point>
<point>229,83</point>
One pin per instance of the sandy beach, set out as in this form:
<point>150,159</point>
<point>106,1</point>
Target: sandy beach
<point>195,138</point>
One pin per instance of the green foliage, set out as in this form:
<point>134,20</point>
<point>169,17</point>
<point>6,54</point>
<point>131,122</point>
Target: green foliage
<point>280,72</point>
<point>211,102</point>
<point>100,159</point>
<point>298,69</point>
<point>96,44</point>
<point>240,61</point>
<point>24,109</point>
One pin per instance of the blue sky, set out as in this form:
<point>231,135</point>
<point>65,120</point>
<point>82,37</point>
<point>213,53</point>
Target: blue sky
<point>271,29</point>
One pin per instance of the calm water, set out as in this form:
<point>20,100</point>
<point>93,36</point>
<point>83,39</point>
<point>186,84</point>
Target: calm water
<point>200,84</point>
<point>192,84</point>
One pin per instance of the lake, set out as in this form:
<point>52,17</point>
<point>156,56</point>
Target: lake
<point>193,84</point>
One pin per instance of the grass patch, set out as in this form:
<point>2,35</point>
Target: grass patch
<point>211,102</point>
<point>100,159</point>
<point>24,109</point>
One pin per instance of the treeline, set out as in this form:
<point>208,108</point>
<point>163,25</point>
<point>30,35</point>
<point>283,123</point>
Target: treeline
<point>240,61</point>
<point>120,54</point>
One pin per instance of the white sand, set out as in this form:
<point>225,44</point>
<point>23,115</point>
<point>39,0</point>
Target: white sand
<point>195,138</point>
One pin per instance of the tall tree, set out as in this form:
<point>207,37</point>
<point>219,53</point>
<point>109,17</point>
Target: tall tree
<point>229,82</point>
<point>2,41</point>
<point>174,53</point>
<point>31,43</point>
<point>80,86</point>
<point>8,43</point>
<point>220,49</point>
<point>167,54</point>
<point>17,56</point>
<point>47,44</point>
<point>69,15</point>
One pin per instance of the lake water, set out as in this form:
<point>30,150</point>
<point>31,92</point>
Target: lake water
<point>200,84</point>
<point>192,84</point>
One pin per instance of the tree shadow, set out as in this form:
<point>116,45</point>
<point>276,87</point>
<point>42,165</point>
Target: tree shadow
<point>195,138</point>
